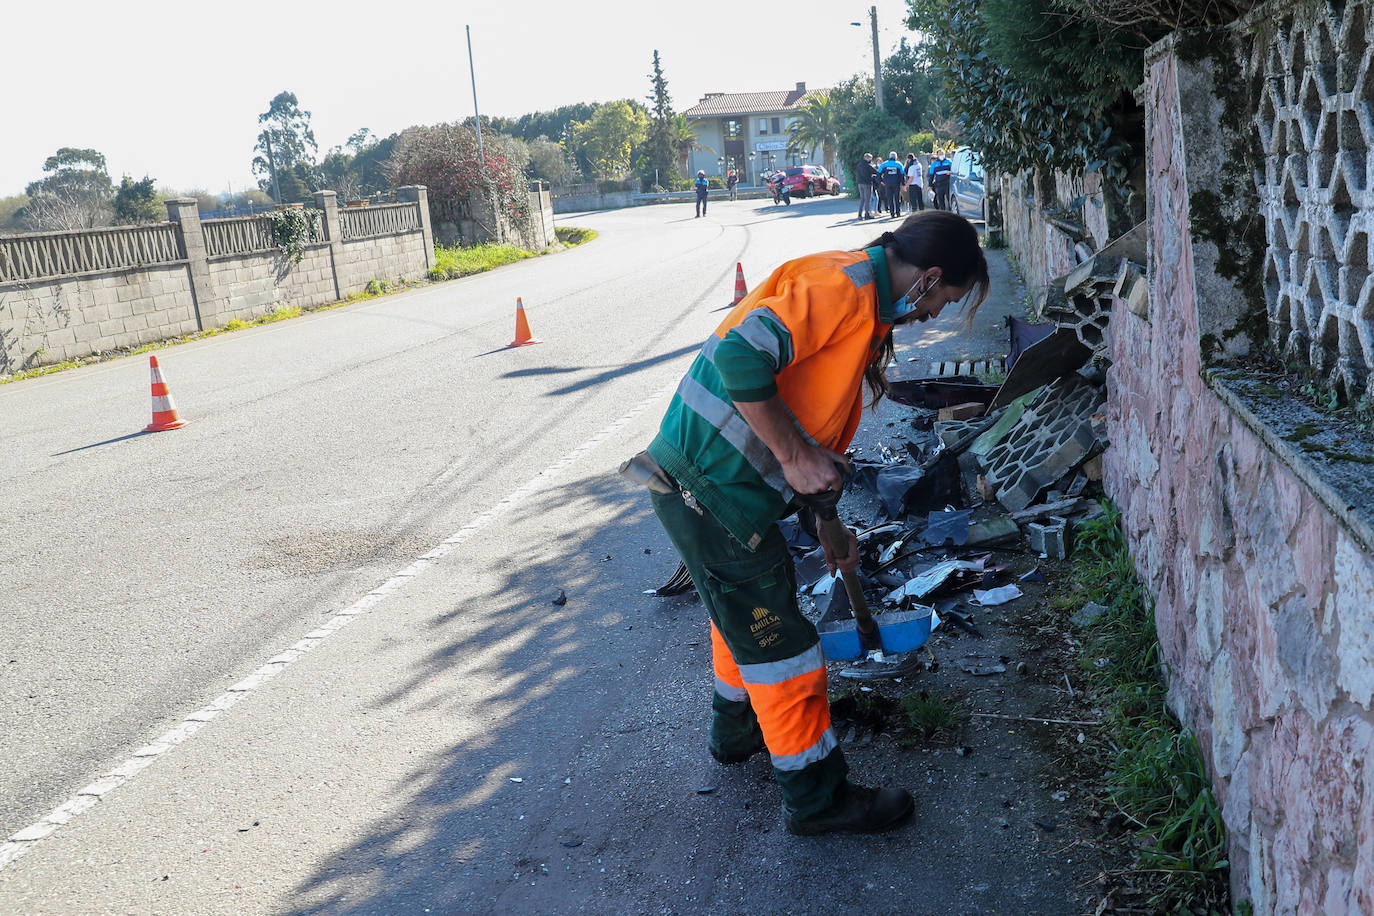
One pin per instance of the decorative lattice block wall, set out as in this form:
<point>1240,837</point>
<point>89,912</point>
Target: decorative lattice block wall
<point>1316,127</point>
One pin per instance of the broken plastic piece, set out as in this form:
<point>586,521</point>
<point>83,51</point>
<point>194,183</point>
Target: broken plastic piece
<point>983,665</point>
<point>934,577</point>
<point>946,527</point>
<point>995,596</point>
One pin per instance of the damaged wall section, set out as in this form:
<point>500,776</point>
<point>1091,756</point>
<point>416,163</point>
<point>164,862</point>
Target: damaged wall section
<point>1264,591</point>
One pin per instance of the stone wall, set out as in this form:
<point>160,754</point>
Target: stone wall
<point>1044,250</point>
<point>1046,247</point>
<point>253,284</point>
<point>1263,577</point>
<point>44,322</point>
<point>471,222</point>
<point>138,292</point>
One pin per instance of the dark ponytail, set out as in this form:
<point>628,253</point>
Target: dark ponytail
<point>933,238</point>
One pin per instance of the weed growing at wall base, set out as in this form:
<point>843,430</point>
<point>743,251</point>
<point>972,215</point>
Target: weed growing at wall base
<point>1157,780</point>
<point>453,262</point>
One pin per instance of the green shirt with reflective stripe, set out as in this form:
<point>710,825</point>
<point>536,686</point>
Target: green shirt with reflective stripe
<point>704,442</point>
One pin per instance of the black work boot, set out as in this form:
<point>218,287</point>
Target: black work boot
<point>861,810</point>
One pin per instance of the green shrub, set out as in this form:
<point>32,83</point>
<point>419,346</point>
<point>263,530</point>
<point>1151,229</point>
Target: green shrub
<point>878,133</point>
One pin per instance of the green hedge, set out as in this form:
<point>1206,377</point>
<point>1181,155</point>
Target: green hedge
<point>879,133</point>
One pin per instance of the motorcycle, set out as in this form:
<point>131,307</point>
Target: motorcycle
<point>781,193</point>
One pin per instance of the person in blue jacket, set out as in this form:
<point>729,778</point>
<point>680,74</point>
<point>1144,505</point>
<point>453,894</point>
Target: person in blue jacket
<point>702,187</point>
<point>940,167</point>
<point>893,176</point>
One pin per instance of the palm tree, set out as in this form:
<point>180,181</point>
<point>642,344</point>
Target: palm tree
<point>816,124</point>
<point>685,142</point>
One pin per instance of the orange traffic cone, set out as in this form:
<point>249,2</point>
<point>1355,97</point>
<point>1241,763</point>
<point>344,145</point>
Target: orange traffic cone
<point>740,290</point>
<point>522,327</point>
<point>164,411</point>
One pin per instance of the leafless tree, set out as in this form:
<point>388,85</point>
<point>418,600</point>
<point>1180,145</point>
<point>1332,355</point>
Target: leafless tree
<point>1146,16</point>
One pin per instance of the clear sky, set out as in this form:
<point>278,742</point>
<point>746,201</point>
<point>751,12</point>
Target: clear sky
<point>173,90</point>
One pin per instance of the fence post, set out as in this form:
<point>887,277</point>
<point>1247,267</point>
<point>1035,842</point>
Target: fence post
<point>328,203</point>
<point>420,195</point>
<point>185,212</point>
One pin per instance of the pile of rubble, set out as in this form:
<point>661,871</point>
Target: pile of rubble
<point>977,474</point>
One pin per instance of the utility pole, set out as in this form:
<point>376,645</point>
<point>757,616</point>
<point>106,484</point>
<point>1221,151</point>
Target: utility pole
<point>481,156</point>
<point>877,60</point>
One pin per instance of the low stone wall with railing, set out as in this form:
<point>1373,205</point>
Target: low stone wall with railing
<point>64,295</point>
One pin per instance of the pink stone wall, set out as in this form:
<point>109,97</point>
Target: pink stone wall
<point>1043,251</point>
<point>1264,601</point>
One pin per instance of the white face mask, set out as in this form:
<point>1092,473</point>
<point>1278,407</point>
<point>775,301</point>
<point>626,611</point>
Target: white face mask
<point>901,308</point>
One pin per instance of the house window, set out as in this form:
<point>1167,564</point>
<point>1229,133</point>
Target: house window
<point>763,125</point>
<point>777,125</point>
<point>734,128</point>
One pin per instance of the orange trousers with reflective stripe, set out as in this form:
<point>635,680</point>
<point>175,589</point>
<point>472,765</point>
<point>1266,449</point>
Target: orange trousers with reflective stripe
<point>769,671</point>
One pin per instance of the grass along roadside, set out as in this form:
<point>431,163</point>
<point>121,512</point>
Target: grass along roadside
<point>1154,776</point>
<point>451,263</point>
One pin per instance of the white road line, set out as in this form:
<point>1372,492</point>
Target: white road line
<point>26,839</point>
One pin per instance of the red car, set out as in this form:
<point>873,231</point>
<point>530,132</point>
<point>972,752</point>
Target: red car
<point>810,181</point>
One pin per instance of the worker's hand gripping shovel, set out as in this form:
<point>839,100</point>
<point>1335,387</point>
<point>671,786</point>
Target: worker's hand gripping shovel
<point>834,536</point>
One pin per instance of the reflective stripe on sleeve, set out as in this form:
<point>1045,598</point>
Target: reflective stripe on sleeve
<point>723,416</point>
<point>758,334</point>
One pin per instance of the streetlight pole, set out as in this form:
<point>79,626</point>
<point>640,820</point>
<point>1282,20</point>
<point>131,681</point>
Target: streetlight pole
<point>877,60</point>
<point>481,156</point>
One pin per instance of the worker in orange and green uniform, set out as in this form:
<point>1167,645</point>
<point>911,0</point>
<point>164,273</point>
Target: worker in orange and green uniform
<point>765,412</point>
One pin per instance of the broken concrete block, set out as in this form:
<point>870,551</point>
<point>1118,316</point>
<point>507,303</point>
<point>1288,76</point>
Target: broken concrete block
<point>966,411</point>
<point>1050,538</point>
<point>1095,272</point>
<point>993,531</point>
<point>1137,298</point>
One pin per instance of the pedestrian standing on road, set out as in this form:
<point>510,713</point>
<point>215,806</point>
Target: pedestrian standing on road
<point>893,176</point>
<point>874,189</point>
<point>702,187</point>
<point>939,181</point>
<point>731,181</point>
<point>765,412</point>
<point>864,176</point>
<point>914,191</point>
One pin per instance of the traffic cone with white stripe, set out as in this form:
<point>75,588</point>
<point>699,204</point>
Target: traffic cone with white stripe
<point>164,411</point>
<point>740,290</point>
<point>522,327</point>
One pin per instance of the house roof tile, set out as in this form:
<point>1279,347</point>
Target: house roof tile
<point>746,103</point>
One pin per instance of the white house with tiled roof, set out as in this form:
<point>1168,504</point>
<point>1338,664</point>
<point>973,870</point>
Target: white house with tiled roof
<point>748,130</point>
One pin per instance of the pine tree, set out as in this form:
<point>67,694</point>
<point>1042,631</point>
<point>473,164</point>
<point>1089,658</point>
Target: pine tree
<point>662,132</point>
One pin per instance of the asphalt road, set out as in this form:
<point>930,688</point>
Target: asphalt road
<point>312,634</point>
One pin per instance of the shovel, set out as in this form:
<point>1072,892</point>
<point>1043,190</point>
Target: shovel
<point>835,537</point>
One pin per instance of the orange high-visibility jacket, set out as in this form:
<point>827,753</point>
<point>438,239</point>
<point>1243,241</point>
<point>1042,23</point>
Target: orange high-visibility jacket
<point>807,334</point>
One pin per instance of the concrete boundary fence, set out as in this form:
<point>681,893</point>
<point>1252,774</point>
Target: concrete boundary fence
<point>64,295</point>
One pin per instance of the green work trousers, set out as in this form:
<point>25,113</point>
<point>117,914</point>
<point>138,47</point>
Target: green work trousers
<point>751,597</point>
